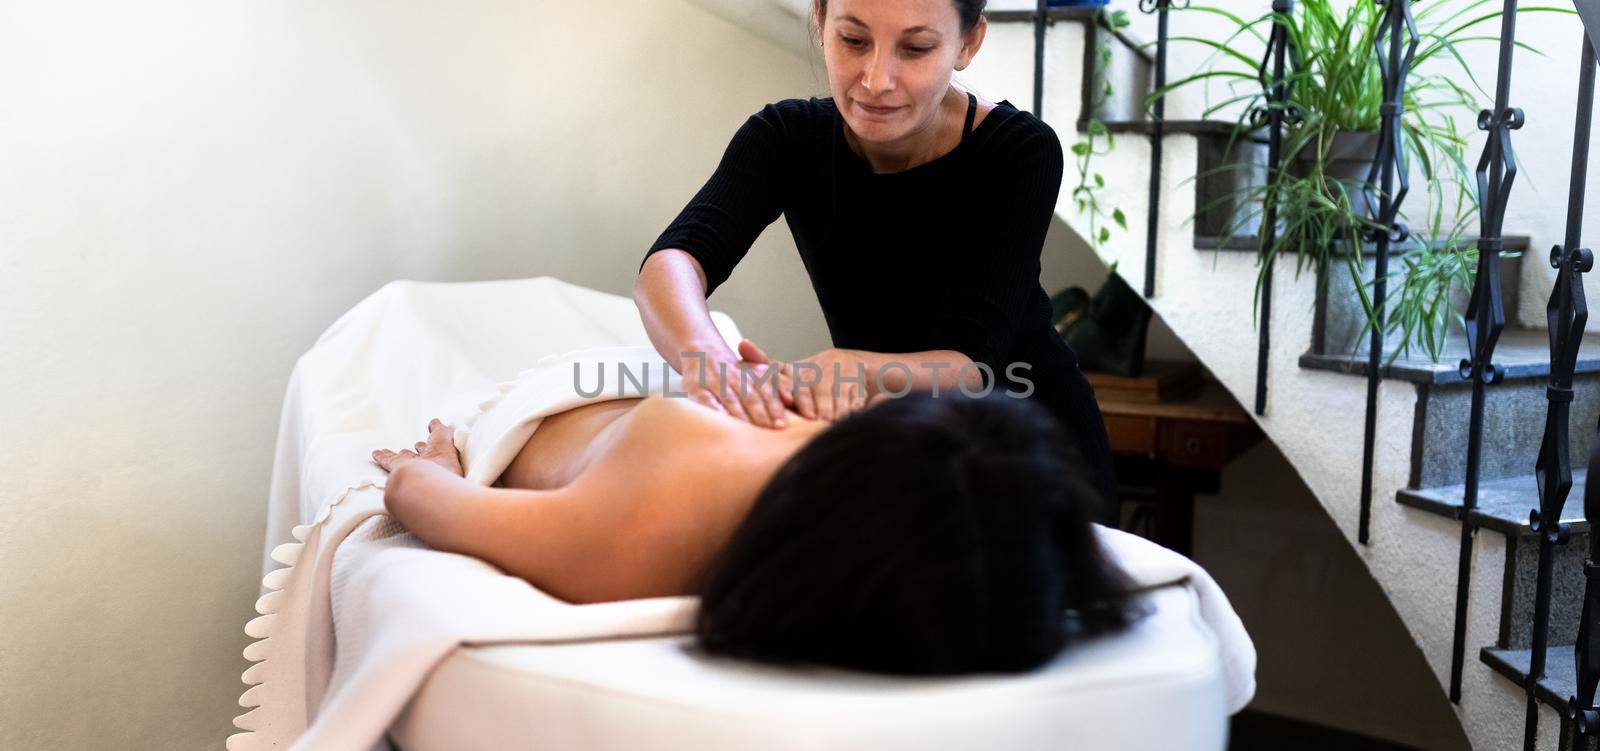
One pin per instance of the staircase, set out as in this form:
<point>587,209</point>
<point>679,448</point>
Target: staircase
<point>1316,374</point>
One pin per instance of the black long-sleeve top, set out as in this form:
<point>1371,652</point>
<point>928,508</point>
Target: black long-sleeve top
<point>944,255</point>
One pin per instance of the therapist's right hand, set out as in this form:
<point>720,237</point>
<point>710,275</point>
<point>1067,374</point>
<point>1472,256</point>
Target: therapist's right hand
<point>717,386</point>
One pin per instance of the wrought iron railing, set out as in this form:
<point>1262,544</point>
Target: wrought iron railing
<point>1387,183</point>
<point>1386,187</point>
<point>1565,315</point>
<point>1274,115</point>
<point>1158,134</point>
<point>1041,21</point>
<point>1486,316</point>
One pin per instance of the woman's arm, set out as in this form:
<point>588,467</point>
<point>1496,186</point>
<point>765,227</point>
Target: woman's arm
<point>698,252</point>
<point>552,538</point>
<point>929,367</point>
<point>981,315</point>
<point>670,295</point>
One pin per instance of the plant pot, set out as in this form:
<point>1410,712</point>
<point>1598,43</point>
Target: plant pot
<point>1229,173</point>
<point>1348,160</point>
<point>1341,320</point>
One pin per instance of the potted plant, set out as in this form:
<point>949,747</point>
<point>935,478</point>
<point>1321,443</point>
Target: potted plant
<point>1335,92</point>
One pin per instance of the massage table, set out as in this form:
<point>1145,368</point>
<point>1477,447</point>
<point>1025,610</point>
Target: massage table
<point>368,639</point>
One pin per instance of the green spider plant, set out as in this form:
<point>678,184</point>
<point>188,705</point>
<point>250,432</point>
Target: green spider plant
<point>1335,86</point>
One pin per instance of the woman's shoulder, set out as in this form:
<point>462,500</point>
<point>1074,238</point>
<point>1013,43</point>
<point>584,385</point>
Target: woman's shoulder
<point>807,109</point>
<point>1008,126</point>
<point>798,117</point>
<point>1010,139</point>
<point>798,129</point>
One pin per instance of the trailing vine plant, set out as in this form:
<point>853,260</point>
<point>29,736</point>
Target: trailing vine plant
<point>1097,139</point>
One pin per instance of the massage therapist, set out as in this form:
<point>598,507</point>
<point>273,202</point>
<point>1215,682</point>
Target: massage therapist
<point>919,211</point>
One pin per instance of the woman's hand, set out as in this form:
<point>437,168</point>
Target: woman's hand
<point>439,448</point>
<point>717,386</point>
<point>827,385</point>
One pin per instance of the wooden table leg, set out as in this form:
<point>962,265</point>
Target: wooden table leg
<point>1174,513</point>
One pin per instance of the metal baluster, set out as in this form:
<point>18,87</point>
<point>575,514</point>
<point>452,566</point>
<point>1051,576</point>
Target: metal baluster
<point>1039,21</point>
<point>1274,115</point>
<point>1389,164</point>
<point>1486,317</point>
<point>1158,132</point>
<point>1581,706</point>
<point>1565,316</point>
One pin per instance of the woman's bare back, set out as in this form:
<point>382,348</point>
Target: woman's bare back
<point>564,445</point>
<point>678,475</point>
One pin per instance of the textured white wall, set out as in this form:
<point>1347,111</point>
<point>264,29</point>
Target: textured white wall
<point>191,191</point>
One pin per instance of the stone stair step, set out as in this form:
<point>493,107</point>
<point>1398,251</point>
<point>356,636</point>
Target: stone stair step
<point>1514,413</point>
<point>1503,505</point>
<point>1523,353</point>
<point>1559,682</point>
<point>1220,128</point>
<point>1513,243</point>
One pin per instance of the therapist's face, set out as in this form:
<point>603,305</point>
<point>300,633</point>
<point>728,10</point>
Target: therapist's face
<point>893,54</point>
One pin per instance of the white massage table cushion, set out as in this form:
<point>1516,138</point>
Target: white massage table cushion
<point>1157,686</point>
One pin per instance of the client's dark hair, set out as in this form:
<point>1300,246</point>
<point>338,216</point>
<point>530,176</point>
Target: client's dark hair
<point>922,535</point>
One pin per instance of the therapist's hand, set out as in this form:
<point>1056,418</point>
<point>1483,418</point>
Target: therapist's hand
<point>718,388</point>
<point>827,385</point>
<point>439,448</point>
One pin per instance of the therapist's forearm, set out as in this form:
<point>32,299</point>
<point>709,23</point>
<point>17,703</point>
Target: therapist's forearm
<point>942,366</point>
<point>671,296</point>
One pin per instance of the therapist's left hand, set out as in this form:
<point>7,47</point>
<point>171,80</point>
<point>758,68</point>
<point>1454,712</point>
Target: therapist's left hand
<point>439,448</point>
<point>822,386</point>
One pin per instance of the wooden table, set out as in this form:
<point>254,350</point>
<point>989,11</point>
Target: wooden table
<point>1167,449</point>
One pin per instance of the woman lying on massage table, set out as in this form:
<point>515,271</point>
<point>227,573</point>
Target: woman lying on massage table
<point>930,535</point>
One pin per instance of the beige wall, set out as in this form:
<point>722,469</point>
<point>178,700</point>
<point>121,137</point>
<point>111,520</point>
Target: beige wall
<point>191,191</point>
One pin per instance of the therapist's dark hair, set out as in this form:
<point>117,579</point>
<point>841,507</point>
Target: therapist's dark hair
<point>969,11</point>
<point>921,535</point>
